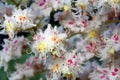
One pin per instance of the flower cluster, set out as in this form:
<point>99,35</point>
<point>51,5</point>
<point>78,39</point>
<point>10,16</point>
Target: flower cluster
<point>60,39</point>
<point>105,73</point>
<point>49,41</point>
<point>20,20</point>
<point>11,50</point>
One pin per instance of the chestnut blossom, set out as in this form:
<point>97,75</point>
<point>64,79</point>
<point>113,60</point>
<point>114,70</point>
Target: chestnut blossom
<point>24,18</point>
<point>48,41</point>
<point>22,71</point>
<point>41,8</point>
<point>105,73</point>
<point>112,46</point>
<point>84,43</point>
<point>20,20</point>
<point>12,49</point>
<point>115,4</point>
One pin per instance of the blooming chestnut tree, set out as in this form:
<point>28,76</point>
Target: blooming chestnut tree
<point>59,39</point>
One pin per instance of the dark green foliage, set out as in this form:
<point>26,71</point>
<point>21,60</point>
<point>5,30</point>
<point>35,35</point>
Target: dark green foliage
<point>3,75</point>
<point>38,76</point>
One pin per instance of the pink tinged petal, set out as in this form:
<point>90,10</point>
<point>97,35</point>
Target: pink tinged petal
<point>74,56</point>
<point>28,64</point>
<point>116,37</point>
<point>38,37</point>
<point>15,42</point>
<point>102,77</point>
<point>85,23</point>
<point>70,61</point>
<point>105,71</point>
<point>6,49</point>
<point>89,47</point>
<point>62,57</point>
<point>114,73</point>
<point>41,4</point>
<point>44,0</point>
<point>36,57</point>
<point>116,70</point>
<point>71,22</point>
<point>75,63</point>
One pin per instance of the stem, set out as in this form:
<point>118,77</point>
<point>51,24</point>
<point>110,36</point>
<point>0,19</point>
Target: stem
<point>75,34</point>
<point>112,21</point>
<point>107,22</point>
<point>17,4</point>
<point>38,25</point>
<point>14,2</point>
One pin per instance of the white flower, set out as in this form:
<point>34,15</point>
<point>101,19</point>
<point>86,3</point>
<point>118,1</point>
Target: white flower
<point>15,76</point>
<point>6,9</point>
<point>115,4</point>
<point>48,40</point>
<point>112,46</point>
<point>96,22</point>
<point>107,73</point>
<point>12,49</point>
<point>56,4</point>
<point>22,71</point>
<point>24,18</point>
<point>41,9</point>
<point>20,19</point>
<point>10,26</point>
<point>75,25</point>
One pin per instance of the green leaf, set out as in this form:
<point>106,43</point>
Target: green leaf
<point>23,58</point>
<point>10,2</point>
<point>38,76</point>
<point>30,37</point>
<point>11,65</point>
<point>3,74</point>
<point>14,2</point>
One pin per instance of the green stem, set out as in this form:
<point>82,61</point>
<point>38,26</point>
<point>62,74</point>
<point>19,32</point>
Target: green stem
<point>75,34</point>
<point>17,4</point>
<point>112,21</point>
<point>38,25</point>
<point>107,22</point>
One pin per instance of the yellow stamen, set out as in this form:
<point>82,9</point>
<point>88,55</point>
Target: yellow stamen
<point>55,67</point>
<point>69,75</point>
<point>54,38</point>
<point>42,46</point>
<point>59,40</point>
<point>92,34</point>
<point>112,51</point>
<point>9,26</point>
<point>115,1</point>
<point>22,18</point>
<point>82,6</point>
<point>66,8</point>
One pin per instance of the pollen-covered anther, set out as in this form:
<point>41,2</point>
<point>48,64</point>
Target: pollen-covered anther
<point>22,18</point>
